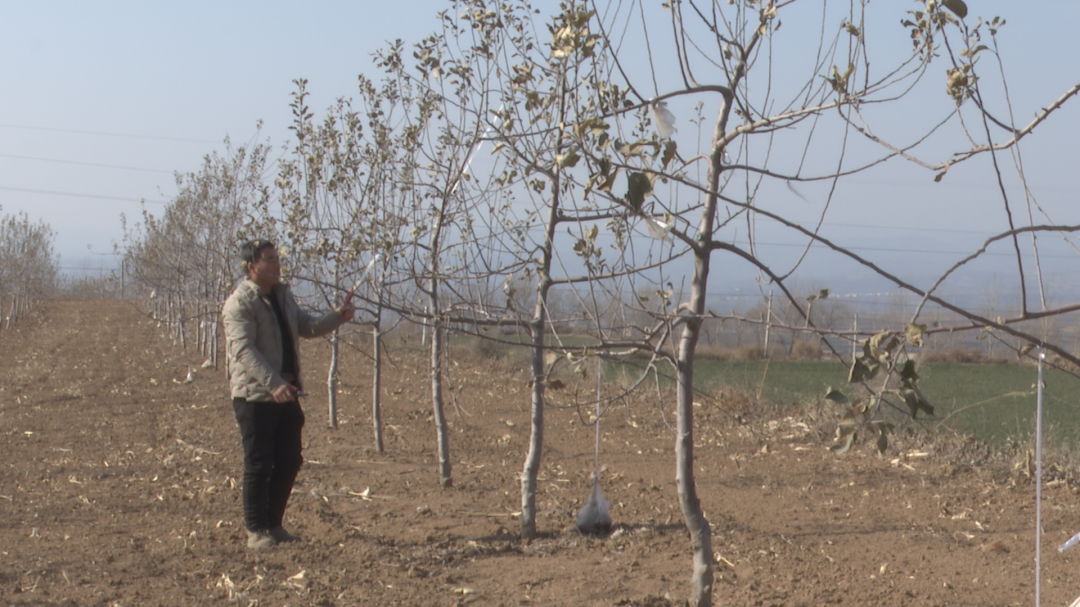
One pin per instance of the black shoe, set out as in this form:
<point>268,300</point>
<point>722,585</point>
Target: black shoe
<point>278,534</point>
<point>257,540</point>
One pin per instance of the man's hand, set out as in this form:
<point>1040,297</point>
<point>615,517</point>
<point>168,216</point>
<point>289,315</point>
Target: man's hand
<point>347,309</point>
<point>284,393</point>
<point>347,313</point>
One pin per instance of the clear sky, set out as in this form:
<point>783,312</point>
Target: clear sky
<point>103,101</point>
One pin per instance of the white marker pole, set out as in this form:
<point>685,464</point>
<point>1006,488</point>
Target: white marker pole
<point>1038,479</point>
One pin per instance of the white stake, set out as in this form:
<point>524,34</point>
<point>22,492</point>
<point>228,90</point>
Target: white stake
<point>1038,479</point>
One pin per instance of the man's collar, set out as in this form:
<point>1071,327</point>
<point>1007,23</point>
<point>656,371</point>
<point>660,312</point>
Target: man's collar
<point>277,288</point>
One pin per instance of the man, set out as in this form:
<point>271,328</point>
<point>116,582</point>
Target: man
<point>262,326</point>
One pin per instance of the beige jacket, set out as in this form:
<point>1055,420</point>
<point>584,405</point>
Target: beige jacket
<point>253,351</point>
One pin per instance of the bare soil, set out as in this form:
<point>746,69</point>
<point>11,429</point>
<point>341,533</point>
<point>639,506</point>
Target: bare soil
<point>119,486</point>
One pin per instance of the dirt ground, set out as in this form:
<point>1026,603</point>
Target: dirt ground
<point>119,487</point>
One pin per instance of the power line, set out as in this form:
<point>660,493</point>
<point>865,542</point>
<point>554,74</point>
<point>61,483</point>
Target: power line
<point>32,191</point>
<point>916,229</point>
<point>945,184</point>
<point>820,246</point>
<point>89,164</point>
<point>56,130</point>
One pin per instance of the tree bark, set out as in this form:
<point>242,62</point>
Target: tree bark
<point>538,329</point>
<point>331,377</point>
<point>696,523</point>
<point>376,378</point>
<point>181,307</point>
<point>214,340</point>
<point>438,335</point>
<point>536,435</point>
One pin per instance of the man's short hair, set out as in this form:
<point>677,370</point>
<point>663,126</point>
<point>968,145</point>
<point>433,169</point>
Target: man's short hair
<point>249,251</point>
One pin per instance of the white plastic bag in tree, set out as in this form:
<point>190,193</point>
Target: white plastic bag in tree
<point>658,230</point>
<point>665,120</point>
<point>595,516</point>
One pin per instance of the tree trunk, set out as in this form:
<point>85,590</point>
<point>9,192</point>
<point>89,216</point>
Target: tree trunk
<point>424,331</point>
<point>11,311</point>
<point>696,523</point>
<point>200,328</point>
<point>214,340</point>
<point>536,436</point>
<point>538,330</point>
<point>376,377</point>
<point>180,324</point>
<point>208,324</point>
<point>438,335</point>
<point>332,372</point>
<point>170,321</point>
<point>331,377</point>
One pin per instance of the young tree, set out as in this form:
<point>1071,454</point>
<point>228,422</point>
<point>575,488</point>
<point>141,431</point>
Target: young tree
<point>343,216</point>
<point>325,208</point>
<point>440,200</point>
<point>724,55</point>
<point>534,98</point>
<point>30,268</point>
<point>187,255</point>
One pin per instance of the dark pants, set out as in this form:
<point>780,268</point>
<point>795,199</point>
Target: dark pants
<point>271,435</point>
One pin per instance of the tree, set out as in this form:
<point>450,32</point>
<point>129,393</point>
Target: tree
<point>722,55</point>
<point>341,213</point>
<point>30,267</point>
<point>523,93</point>
<point>187,256</point>
<point>441,201</point>
<point>583,125</point>
<point>325,201</point>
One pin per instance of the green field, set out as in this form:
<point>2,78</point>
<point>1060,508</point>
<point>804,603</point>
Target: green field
<point>991,402</point>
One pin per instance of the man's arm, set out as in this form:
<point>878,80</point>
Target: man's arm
<point>309,325</point>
